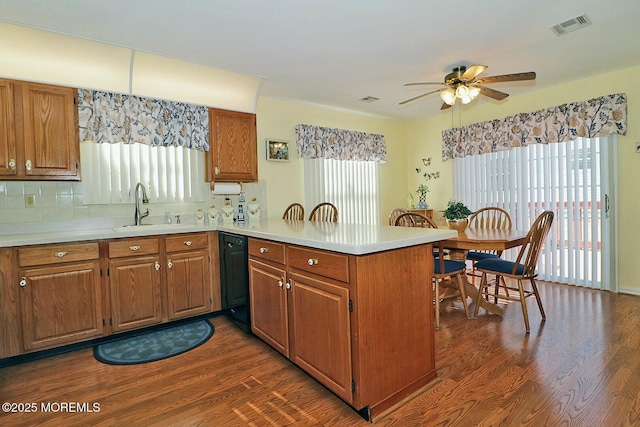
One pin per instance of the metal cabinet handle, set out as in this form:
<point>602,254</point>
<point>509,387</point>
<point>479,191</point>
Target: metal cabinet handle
<point>60,254</point>
<point>157,266</point>
<point>23,282</point>
<point>134,248</point>
<point>169,264</point>
<point>217,170</point>
<point>281,282</point>
<point>188,243</point>
<point>12,164</point>
<point>27,165</point>
<point>312,261</point>
<point>264,250</point>
<point>288,284</point>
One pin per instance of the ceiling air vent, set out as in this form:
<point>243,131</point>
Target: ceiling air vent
<point>571,25</point>
<point>369,99</point>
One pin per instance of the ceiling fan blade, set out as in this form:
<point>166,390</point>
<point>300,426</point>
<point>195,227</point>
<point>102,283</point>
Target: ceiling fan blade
<point>419,97</point>
<point>508,78</point>
<point>472,72</point>
<point>425,83</point>
<point>445,106</point>
<point>492,93</point>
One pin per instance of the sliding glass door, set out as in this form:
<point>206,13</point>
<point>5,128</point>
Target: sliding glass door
<point>572,179</point>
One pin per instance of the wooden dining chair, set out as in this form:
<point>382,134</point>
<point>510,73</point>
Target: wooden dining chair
<point>522,269</point>
<point>489,218</point>
<point>294,211</point>
<point>395,214</point>
<point>444,270</point>
<point>324,211</point>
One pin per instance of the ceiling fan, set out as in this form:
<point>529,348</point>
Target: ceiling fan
<point>463,83</point>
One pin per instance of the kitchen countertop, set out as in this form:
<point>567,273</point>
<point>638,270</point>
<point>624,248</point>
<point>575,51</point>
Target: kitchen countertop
<point>353,239</point>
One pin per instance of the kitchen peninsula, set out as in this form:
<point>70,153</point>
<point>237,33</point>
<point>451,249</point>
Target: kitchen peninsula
<point>349,304</point>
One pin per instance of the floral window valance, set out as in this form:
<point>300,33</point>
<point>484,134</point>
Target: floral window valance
<point>321,142</point>
<point>593,118</point>
<point>113,117</point>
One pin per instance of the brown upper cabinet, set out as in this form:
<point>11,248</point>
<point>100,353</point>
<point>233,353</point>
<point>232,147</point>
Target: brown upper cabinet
<point>39,135</point>
<point>232,156</point>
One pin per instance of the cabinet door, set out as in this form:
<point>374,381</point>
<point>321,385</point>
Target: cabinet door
<point>269,305</point>
<point>7,130</point>
<point>233,154</point>
<point>135,292</point>
<point>60,305</point>
<point>188,286</point>
<point>51,134</point>
<point>321,333</point>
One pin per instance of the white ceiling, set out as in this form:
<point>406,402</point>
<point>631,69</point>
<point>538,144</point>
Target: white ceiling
<point>335,52</point>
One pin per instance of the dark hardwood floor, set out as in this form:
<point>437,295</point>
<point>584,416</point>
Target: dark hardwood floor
<point>579,368</point>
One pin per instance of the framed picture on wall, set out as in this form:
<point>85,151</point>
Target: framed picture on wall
<point>277,151</point>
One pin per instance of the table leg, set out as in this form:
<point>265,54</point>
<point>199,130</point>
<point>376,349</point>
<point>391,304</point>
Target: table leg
<point>472,291</point>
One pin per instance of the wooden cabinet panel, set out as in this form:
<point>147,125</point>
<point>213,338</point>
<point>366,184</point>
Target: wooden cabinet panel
<point>188,288</point>
<point>233,154</point>
<point>7,130</point>
<point>133,247</point>
<point>321,333</point>
<point>269,314</point>
<point>51,134</point>
<point>60,305</point>
<point>327,264</point>
<point>264,249</point>
<point>186,242</point>
<point>56,254</point>
<point>10,337</point>
<point>135,292</point>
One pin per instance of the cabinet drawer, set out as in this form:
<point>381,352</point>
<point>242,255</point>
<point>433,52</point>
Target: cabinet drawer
<point>184,242</point>
<point>55,254</point>
<point>132,247</point>
<point>265,249</point>
<point>328,264</point>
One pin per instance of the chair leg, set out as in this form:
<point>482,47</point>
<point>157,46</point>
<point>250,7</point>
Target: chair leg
<point>463,294</point>
<point>523,302</point>
<point>534,286</point>
<point>436,292</point>
<point>483,284</point>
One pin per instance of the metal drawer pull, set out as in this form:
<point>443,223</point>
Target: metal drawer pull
<point>264,250</point>
<point>12,164</point>
<point>169,264</point>
<point>60,254</point>
<point>28,165</point>
<point>312,261</point>
<point>188,243</point>
<point>157,266</point>
<point>134,248</point>
<point>23,282</point>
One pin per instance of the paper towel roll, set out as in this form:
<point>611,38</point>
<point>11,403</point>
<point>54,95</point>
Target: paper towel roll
<point>226,188</point>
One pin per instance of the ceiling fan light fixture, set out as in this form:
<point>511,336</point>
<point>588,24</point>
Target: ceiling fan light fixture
<point>448,96</point>
<point>474,91</point>
<point>462,91</point>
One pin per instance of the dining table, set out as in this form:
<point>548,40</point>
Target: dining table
<point>482,239</point>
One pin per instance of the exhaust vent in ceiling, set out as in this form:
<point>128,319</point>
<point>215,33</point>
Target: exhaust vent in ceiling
<point>369,99</point>
<point>571,25</point>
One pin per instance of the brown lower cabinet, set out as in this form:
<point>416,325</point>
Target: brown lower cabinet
<point>58,294</point>
<point>59,300</point>
<point>360,325</point>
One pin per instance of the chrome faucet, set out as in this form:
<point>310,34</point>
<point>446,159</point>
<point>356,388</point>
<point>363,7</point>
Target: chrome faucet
<point>139,215</point>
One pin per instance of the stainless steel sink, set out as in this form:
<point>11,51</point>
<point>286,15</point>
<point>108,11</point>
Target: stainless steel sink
<point>151,227</point>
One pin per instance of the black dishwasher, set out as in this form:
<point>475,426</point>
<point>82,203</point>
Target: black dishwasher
<point>234,278</point>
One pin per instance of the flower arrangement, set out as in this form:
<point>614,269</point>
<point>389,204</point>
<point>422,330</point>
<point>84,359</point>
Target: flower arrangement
<point>456,210</point>
<point>423,189</point>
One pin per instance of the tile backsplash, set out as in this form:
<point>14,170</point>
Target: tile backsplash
<point>45,201</point>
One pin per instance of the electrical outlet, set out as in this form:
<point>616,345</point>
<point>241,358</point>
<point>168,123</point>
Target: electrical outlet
<point>30,200</point>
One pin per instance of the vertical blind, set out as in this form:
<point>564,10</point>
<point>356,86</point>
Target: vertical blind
<point>352,186</point>
<point>110,172</point>
<point>572,180</point>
